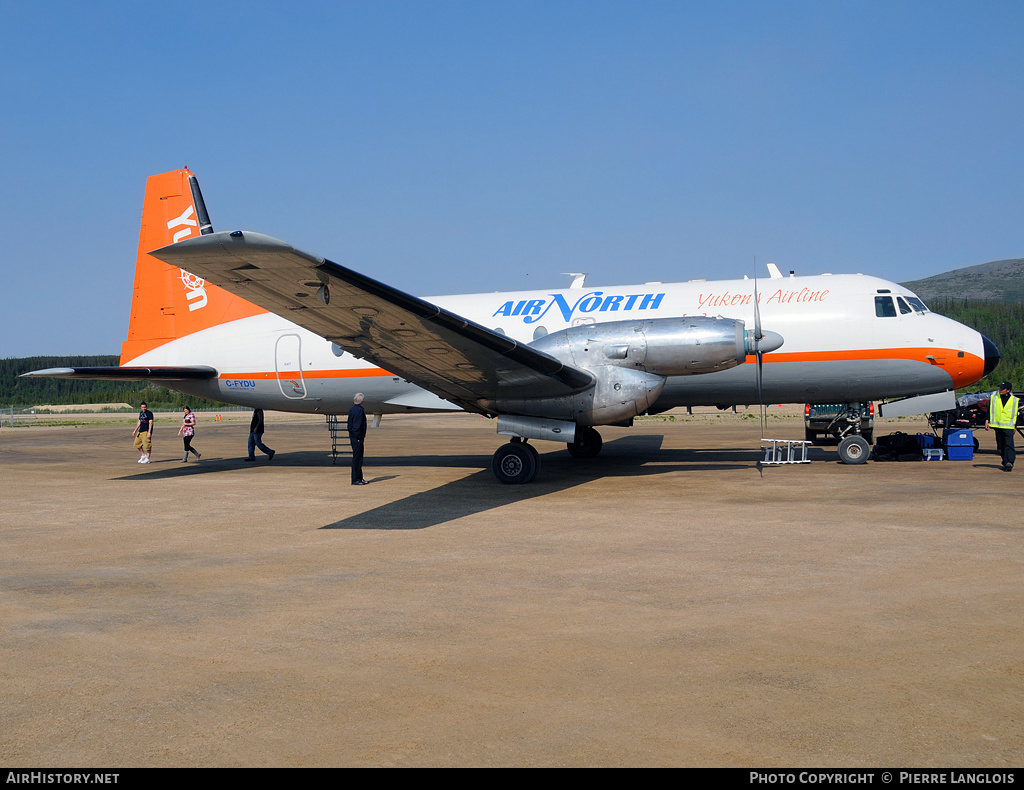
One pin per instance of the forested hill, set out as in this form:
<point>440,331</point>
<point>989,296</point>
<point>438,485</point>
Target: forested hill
<point>35,392</point>
<point>998,281</point>
<point>990,298</point>
<point>1000,322</point>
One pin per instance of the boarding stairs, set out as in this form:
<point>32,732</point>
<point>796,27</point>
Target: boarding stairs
<point>338,433</point>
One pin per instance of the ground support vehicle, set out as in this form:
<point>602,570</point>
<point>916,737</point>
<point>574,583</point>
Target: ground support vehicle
<point>851,423</point>
<point>838,420</point>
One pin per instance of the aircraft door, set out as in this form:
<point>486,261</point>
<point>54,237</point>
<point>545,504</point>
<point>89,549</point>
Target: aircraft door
<point>288,364</point>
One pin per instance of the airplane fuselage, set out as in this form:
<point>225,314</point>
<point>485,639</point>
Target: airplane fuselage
<point>847,338</point>
<point>244,318</point>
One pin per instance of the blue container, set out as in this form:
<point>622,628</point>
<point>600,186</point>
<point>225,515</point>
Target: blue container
<point>959,444</point>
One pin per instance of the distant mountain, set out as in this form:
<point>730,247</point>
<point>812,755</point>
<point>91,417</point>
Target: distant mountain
<point>998,281</point>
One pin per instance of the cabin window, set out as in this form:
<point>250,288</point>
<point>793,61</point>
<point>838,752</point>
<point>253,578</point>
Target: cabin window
<point>904,307</point>
<point>917,304</point>
<point>884,308</point>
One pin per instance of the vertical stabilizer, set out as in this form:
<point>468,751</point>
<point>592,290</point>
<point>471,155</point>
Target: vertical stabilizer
<point>168,302</point>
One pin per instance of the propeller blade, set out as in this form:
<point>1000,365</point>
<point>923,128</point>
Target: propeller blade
<point>760,343</point>
<point>760,394</point>
<point>758,354</point>
<point>757,310</point>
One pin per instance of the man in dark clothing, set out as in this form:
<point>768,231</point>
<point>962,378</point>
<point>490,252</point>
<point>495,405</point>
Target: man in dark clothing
<point>256,437</point>
<point>357,435</point>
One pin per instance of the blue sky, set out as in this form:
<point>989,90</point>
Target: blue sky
<point>450,147</point>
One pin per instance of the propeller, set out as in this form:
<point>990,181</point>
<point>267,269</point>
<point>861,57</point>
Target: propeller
<point>758,353</point>
<point>761,343</point>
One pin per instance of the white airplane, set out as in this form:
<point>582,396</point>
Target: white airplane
<point>243,318</point>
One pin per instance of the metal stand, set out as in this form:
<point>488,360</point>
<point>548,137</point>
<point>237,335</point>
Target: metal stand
<point>334,426</point>
<point>785,451</point>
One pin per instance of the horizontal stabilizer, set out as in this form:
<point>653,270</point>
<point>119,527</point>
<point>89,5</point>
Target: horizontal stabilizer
<point>127,374</point>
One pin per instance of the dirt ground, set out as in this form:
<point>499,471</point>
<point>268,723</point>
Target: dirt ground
<point>667,604</point>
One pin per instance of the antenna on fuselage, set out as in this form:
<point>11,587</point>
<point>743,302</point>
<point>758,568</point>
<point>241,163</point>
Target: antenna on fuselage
<point>578,278</point>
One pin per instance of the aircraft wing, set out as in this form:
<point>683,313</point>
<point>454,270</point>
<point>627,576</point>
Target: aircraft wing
<point>433,348</point>
<point>127,374</point>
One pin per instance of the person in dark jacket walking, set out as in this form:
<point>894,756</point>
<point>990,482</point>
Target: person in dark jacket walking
<point>256,437</point>
<point>357,435</point>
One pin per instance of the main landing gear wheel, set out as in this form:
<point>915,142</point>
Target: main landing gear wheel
<point>515,463</point>
<point>854,450</point>
<point>587,445</point>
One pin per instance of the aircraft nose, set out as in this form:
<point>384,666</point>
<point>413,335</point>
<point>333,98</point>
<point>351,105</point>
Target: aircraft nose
<point>992,355</point>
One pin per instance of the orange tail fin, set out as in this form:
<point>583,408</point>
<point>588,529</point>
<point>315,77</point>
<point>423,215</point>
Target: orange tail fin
<point>168,302</point>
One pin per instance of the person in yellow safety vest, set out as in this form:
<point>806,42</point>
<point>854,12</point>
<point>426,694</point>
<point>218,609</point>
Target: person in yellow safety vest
<point>1002,418</point>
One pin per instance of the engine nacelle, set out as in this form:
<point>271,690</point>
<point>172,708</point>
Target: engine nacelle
<point>661,346</point>
<point>630,361</point>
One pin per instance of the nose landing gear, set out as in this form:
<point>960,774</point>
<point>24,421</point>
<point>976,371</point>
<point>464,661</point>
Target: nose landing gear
<point>854,450</point>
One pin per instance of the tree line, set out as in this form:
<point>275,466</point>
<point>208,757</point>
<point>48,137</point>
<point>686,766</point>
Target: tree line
<point>1000,322</point>
<point>58,392</point>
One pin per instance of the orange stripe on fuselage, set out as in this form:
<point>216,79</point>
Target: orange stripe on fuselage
<point>313,374</point>
<point>964,370</point>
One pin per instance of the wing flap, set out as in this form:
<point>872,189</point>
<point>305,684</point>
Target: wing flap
<point>436,349</point>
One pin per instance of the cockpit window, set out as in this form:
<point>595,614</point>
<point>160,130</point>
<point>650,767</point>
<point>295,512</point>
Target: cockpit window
<point>884,308</point>
<point>917,304</point>
<point>904,307</point>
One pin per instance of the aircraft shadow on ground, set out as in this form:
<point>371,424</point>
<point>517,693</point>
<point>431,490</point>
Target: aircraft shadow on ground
<point>625,457</point>
<point>169,469</point>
